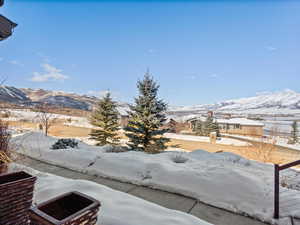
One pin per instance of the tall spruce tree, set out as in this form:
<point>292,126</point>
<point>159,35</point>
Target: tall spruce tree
<point>206,127</point>
<point>216,128</point>
<point>147,116</point>
<point>106,119</point>
<point>294,133</point>
<point>199,128</point>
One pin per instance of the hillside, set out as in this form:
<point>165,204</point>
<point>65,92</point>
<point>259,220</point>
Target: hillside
<point>33,96</point>
<point>283,102</point>
<point>13,95</point>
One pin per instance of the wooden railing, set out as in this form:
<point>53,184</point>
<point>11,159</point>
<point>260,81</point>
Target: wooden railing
<point>277,169</point>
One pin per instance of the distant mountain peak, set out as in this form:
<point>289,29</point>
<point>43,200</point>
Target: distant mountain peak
<point>29,96</point>
<point>280,102</point>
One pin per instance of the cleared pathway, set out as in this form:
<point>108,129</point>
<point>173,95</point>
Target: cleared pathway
<point>169,200</point>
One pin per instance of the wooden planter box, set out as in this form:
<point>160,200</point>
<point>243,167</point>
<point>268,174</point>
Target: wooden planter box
<point>16,192</point>
<point>72,208</point>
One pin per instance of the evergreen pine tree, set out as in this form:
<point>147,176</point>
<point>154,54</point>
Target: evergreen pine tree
<point>216,128</point>
<point>146,118</point>
<point>209,125</point>
<point>172,125</point>
<point>199,128</point>
<point>106,119</point>
<point>294,133</point>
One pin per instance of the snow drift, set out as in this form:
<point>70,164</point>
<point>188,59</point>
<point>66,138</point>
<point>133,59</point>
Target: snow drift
<point>223,180</point>
<point>117,207</point>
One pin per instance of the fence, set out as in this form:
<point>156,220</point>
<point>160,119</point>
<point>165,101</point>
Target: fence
<point>277,169</point>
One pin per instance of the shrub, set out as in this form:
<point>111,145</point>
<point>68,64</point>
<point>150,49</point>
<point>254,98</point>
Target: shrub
<point>4,142</point>
<point>179,158</point>
<point>5,114</point>
<point>117,149</point>
<point>65,143</point>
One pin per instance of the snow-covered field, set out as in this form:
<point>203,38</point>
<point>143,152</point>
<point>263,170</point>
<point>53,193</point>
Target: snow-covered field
<point>17,115</point>
<point>222,141</point>
<point>117,207</point>
<point>79,122</point>
<point>224,180</point>
<point>280,141</point>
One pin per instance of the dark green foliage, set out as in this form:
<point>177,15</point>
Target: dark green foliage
<point>172,126</point>
<point>294,133</point>
<point>199,128</point>
<point>106,119</point>
<point>206,127</point>
<point>147,116</point>
<point>215,128</point>
<point>65,143</point>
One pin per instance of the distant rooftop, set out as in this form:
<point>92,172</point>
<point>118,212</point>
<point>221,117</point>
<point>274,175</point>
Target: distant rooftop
<point>241,121</point>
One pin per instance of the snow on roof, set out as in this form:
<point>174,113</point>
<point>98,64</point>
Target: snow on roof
<point>241,121</point>
<point>193,117</point>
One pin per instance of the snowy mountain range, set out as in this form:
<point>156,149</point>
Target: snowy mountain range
<point>27,96</point>
<point>13,95</point>
<point>283,102</point>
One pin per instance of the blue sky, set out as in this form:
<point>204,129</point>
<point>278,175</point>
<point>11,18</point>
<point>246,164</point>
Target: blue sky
<point>199,51</point>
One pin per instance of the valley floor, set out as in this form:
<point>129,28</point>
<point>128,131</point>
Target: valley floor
<point>278,155</point>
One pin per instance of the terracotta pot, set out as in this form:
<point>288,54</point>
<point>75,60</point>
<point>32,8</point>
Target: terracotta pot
<point>3,168</point>
<point>71,208</point>
<point>16,192</point>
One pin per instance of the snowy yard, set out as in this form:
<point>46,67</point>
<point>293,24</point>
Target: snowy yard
<point>19,115</point>
<point>222,141</point>
<point>280,141</point>
<point>224,180</point>
<point>117,207</point>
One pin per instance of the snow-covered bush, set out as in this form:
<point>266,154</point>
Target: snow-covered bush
<point>117,149</point>
<point>179,158</point>
<point>64,144</point>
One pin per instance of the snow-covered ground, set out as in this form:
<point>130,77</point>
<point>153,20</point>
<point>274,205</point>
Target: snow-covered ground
<point>79,122</point>
<point>224,180</point>
<point>222,141</point>
<point>280,126</point>
<point>280,141</point>
<point>17,115</point>
<point>117,207</point>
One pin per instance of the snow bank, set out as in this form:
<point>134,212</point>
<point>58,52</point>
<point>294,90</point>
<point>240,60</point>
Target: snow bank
<point>117,207</point>
<point>224,180</point>
<point>222,141</point>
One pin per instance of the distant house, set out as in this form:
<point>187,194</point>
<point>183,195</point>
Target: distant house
<point>124,117</point>
<point>239,126</point>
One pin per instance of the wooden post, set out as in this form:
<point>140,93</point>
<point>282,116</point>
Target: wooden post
<point>276,191</point>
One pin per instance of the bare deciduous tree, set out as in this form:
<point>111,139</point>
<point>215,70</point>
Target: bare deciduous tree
<point>45,117</point>
<point>4,137</point>
<point>265,148</point>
